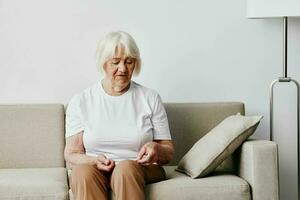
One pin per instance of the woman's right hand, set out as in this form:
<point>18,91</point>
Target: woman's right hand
<point>104,164</point>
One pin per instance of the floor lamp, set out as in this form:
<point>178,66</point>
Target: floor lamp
<point>279,9</point>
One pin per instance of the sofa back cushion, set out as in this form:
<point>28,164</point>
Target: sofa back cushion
<point>31,136</point>
<point>190,121</point>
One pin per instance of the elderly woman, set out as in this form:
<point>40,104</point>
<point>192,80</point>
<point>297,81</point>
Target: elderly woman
<point>117,132</point>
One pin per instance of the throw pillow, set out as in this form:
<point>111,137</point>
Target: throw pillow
<point>213,148</point>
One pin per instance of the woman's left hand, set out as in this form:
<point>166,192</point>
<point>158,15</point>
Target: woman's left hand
<point>148,154</point>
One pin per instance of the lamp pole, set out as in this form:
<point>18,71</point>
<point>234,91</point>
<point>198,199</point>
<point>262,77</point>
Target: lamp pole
<point>284,78</point>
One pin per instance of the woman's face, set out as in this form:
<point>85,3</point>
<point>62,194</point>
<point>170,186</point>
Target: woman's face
<point>119,69</point>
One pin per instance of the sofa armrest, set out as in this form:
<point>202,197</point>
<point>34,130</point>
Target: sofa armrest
<point>258,165</point>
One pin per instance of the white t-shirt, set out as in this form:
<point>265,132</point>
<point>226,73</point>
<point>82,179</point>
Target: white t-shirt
<point>117,126</point>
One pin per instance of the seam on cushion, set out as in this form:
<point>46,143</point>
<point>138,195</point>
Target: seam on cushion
<point>253,164</point>
<point>252,167</point>
<point>246,183</point>
<point>243,182</point>
<point>21,196</point>
<point>211,161</point>
<point>252,171</point>
<point>245,187</point>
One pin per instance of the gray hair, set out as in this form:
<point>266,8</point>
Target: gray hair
<point>107,47</point>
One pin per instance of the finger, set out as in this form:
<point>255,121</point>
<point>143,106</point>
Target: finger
<point>112,166</point>
<point>153,158</point>
<point>109,167</point>
<point>107,162</point>
<point>145,164</point>
<point>111,163</point>
<point>103,167</point>
<point>141,153</point>
<point>150,158</point>
<point>100,167</point>
<point>144,159</point>
<point>102,158</point>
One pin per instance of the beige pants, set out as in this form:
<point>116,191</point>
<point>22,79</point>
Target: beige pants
<point>127,181</point>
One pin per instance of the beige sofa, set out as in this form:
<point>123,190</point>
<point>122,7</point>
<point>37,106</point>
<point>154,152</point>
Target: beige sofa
<point>32,165</point>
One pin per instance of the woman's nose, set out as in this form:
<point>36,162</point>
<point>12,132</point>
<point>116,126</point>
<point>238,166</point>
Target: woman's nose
<point>122,67</point>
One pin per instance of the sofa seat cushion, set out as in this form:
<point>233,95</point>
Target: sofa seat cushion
<point>217,186</point>
<point>33,184</point>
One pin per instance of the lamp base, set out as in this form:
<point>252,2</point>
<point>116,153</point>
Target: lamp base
<point>285,79</point>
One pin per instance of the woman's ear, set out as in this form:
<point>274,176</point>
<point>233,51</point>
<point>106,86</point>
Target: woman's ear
<point>104,68</point>
<point>136,70</point>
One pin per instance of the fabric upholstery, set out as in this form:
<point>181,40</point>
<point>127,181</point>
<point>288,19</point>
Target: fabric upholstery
<point>179,186</point>
<point>259,167</point>
<point>219,186</point>
<point>213,148</point>
<point>190,121</point>
<point>33,184</point>
<point>31,133</point>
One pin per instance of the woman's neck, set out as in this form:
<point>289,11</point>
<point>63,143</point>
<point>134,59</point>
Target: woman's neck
<point>113,89</point>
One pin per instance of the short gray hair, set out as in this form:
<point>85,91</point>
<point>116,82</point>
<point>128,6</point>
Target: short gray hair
<point>107,47</point>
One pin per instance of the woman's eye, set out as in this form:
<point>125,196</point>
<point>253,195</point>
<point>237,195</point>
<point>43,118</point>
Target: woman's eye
<point>129,61</point>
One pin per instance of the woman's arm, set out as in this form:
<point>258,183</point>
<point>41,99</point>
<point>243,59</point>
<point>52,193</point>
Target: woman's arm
<point>74,151</point>
<point>157,151</point>
<point>165,151</point>
<point>75,154</point>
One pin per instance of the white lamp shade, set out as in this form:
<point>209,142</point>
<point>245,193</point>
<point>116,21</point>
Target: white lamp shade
<point>273,8</point>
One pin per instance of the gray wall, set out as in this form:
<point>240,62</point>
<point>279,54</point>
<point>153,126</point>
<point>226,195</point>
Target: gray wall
<point>193,51</point>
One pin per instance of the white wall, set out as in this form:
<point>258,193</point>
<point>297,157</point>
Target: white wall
<point>193,51</point>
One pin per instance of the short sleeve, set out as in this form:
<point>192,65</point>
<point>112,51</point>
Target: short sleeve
<point>73,123</point>
<point>159,120</point>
